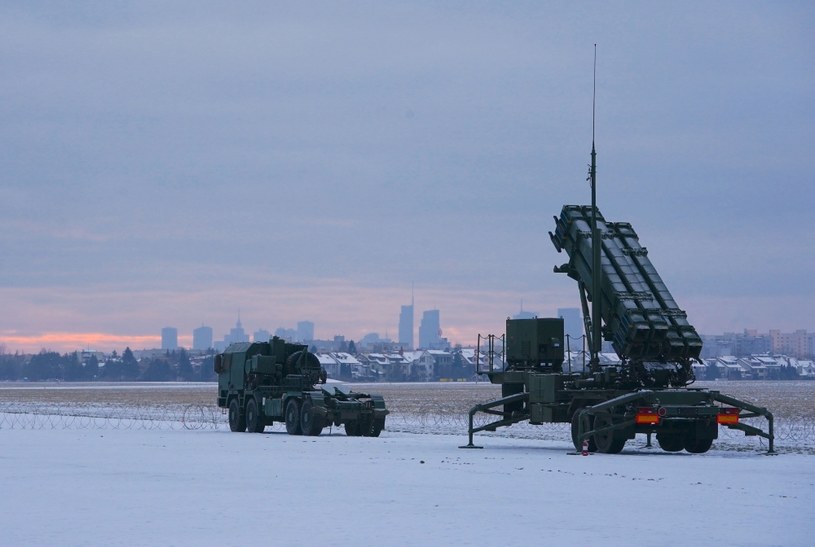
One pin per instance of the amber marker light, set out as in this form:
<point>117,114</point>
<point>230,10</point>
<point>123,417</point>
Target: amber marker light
<point>728,416</point>
<point>646,416</point>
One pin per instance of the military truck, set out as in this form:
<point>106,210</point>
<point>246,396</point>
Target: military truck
<point>647,391</point>
<point>276,381</point>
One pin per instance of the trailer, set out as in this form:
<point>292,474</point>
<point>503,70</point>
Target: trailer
<point>648,392</point>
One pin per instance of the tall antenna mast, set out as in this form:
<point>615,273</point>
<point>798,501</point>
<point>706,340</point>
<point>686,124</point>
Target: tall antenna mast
<point>593,96</point>
<point>596,342</point>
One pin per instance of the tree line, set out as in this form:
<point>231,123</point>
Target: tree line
<point>69,367</point>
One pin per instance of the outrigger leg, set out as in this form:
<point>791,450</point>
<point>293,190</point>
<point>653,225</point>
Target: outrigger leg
<point>489,408</point>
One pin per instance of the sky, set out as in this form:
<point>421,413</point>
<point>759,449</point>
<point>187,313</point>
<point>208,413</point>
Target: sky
<point>181,164</point>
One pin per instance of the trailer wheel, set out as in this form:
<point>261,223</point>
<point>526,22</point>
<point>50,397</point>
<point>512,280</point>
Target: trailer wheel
<point>608,442</point>
<point>293,417</point>
<point>310,422</point>
<point>670,442</point>
<point>237,423</point>
<point>254,422</point>
<point>352,428</point>
<point>694,445</point>
<point>578,444</point>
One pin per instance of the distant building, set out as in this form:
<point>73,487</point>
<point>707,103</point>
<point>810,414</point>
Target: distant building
<point>572,325</point>
<point>236,334</point>
<point>430,331</point>
<point>290,335</point>
<point>716,346</point>
<point>169,338</point>
<point>261,335</point>
<point>305,331</point>
<point>202,338</point>
<point>525,315</point>
<point>750,342</point>
<point>795,344</point>
<point>372,342</point>
<point>406,327</point>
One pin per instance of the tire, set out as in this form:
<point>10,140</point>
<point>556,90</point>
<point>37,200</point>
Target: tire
<point>293,417</point>
<point>697,446</point>
<point>311,423</point>
<point>377,426</point>
<point>609,442</point>
<point>254,421</point>
<point>352,428</point>
<point>366,426</point>
<point>578,445</point>
<point>237,422</point>
<point>670,442</point>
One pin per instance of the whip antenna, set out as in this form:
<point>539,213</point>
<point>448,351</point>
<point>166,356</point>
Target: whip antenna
<point>593,95</point>
<point>596,342</point>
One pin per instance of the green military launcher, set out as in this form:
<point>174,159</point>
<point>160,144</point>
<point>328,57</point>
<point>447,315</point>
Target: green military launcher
<point>277,381</point>
<point>646,392</point>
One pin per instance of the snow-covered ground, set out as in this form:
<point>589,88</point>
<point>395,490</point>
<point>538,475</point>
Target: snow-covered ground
<point>107,486</point>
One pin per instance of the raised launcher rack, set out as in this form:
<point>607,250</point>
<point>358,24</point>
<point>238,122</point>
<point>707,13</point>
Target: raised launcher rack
<point>642,320</point>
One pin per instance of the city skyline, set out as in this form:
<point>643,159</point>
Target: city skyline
<point>237,333</point>
<point>168,165</point>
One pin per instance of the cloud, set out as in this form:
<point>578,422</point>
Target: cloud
<point>156,155</point>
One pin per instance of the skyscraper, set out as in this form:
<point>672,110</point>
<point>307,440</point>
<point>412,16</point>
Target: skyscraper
<point>430,330</point>
<point>261,335</point>
<point>572,325</point>
<point>202,338</point>
<point>523,314</point>
<point>169,338</point>
<point>305,331</point>
<point>406,327</point>
<point>236,334</point>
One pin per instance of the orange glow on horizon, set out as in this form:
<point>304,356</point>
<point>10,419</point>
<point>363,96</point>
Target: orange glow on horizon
<point>66,342</point>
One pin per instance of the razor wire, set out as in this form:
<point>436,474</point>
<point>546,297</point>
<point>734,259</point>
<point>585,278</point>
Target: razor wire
<point>187,417</point>
<point>792,434</point>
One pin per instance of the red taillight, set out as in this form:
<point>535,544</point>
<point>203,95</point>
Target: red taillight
<point>646,416</point>
<point>728,416</point>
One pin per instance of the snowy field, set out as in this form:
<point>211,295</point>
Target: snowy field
<point>180,487</point>
<point>107,479</point>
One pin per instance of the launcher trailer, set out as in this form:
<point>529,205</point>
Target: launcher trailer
<point>647,391</point>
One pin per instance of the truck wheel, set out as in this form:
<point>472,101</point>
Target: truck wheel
<point>237,423</point>
<point>293,417</point>
<point>608,442</point>
<point>254,422</point>
<point>352,428</point>
<point>377,427</point>
<point>366,425</point>
<point>670,442</point>
<point>578,445</point>
<point>695,445</point>
<point>310,422</point>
